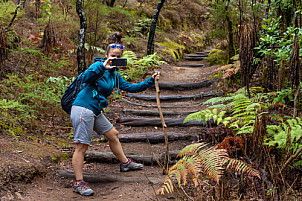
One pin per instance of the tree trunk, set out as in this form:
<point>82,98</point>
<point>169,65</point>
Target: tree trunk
<point>82,34</point>
<point>125,3</point>
<point>150,47</point>
<point>3,52</point>
<point>112,3</point>
<point>49,39</point>
<point>15,15</point>
<point>231,49</point>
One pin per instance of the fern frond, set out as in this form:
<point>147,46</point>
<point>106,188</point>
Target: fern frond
<point>218,100</point>
<point>242,167</point>
<point>186,166</point>
<point>279,133</point>
<point>192,149</point>
<point>207,115</point>
<point>212,163</point>
<point>219,106</point>
<point>201,158</point>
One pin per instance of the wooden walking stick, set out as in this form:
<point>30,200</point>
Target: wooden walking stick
<point>166,160</point>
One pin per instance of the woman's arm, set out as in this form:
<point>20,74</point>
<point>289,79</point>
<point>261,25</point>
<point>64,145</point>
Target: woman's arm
<point>97,70</point>
<point>133,88</point>
<point>94,72</point>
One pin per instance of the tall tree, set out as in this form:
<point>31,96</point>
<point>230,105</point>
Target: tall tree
<point>3,52</point>
<point>150,47</point>
<point>109,3</point>
<point>231,49</point>
<point>82,34</point>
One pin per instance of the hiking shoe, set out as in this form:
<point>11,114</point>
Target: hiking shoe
<point>131,165</point>
<point>82,188</point>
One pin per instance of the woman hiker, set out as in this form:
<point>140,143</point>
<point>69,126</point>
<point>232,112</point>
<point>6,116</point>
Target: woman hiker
<point>86,114</point>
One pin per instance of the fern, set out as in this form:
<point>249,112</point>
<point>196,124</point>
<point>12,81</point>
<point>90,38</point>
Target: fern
<point>130,56</point>
<point>278,134</point>
<point>137,68</point>
<point>218,100</point>
<point>201,158</point>
<point>207,115</point>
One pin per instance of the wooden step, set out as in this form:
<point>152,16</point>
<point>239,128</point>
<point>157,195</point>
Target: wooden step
<point>137,122</point>
<point>174,97</point>
<point>155,112</point>
<point>182,86</point>
<point>109,178</point>
<point>163,106</point>
<point>194,55</point>
<point>194,58</point>
<point>192,65</point>
<point>109,157</point>
<point>153,137</point>
<point>202,53</point>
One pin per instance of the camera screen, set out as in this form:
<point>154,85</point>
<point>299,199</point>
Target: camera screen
<point>119,62</point>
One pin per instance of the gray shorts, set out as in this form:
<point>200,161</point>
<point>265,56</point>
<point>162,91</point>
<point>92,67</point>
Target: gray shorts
<point>84,121</point>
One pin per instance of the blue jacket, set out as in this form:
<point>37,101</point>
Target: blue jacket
<point>89,96</point>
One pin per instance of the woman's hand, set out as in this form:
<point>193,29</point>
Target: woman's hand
<point>156,75</point>
<point>108,62</point>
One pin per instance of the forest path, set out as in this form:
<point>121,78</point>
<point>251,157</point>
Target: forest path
<point>105,178</point>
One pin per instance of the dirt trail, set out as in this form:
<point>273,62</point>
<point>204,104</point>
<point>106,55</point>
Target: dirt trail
<point>54,187</point>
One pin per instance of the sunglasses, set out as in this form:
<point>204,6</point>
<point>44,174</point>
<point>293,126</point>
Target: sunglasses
<point>116,46</point>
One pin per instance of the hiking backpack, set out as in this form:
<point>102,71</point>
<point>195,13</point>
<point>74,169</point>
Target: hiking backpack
<point>71,93</point>
<point>73,90</point>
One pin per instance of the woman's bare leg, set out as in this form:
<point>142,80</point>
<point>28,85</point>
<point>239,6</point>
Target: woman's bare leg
<point>78,160</point>
<point>115,145</point>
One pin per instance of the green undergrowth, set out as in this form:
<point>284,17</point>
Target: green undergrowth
<point>217,56</point>
<point>139,68</point>
<point>249,116</point>
<point>173,49</point>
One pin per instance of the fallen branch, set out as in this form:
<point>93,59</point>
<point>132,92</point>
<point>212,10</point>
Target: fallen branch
<point>108,178</point>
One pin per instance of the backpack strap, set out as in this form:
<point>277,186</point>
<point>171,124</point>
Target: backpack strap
<point>98,95</point>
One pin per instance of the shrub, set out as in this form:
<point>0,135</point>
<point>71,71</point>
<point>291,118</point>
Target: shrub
<point>217,57</point>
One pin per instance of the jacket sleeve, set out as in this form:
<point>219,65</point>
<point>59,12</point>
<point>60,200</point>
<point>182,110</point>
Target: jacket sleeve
<point>94,72</point>
<point>133,88</point>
